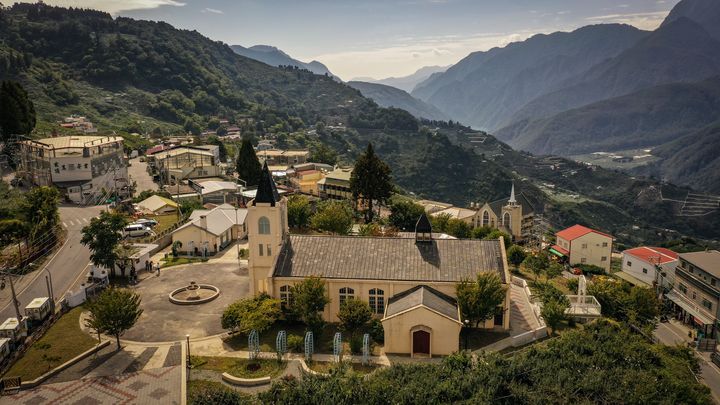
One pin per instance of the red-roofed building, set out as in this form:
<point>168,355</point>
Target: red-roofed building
<point>650,264</point>
<point>155,149</point>
<point>582,245</point>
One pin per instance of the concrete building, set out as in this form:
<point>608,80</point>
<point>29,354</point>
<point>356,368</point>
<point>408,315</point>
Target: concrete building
<point>409,283</point>
<point>336,185</point>
<point>285,158</point>
<point>651,266</point>
<point>184,162</point>
<point>696,293</point>
<point>86,169</point>
<point>582,245</point>
<point>512,215</point>
<point>210,231</point>
<point>304,177</point>
<point>136,260</point>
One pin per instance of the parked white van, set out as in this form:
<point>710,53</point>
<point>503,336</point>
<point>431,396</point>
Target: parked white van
<point>136,230</point>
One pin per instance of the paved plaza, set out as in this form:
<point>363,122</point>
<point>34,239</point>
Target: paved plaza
<point>163,321</point>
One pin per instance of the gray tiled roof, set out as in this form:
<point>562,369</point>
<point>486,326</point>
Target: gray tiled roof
<point>376,258</point>
<point>496,206</point>
<point>425,296</point>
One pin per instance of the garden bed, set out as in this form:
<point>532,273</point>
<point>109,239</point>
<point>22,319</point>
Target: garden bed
<point>326,366</point>
<point>176,261</point>
<point>323,343</point>
<point>242,368</point>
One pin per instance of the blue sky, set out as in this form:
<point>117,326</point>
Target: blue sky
<point>380,38</point>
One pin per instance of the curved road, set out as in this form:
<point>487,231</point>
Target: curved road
<point>67,266</point>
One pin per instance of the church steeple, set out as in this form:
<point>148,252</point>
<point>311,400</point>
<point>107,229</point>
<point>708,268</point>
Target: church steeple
<point>512,200</point>
<point>266,191</point>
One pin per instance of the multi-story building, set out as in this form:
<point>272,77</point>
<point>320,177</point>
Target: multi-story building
<point>304,177</point>
<point>696,293</point>
<point>582,245</point>
<point>336,185</point>
<point>653,266</point>
<point>285,158</point>
<point>184,162</point>
<point>84,168</point>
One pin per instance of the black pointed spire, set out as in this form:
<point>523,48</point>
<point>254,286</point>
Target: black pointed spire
<point>266,192</point>
<point>423,229</point>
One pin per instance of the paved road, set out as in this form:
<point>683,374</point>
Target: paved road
<point>66,267</point>
<point>672,333</point>
<point>138,173</point>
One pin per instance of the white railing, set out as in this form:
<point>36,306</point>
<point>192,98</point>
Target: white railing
<point>584,304</point>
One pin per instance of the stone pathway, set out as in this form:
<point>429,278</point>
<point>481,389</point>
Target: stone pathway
<point>160,386</point>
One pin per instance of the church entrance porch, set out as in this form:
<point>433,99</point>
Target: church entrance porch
<point>421,343</point>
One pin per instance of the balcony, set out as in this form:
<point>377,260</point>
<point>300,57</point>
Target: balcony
<point>583,306</point>
<point>691,307</point>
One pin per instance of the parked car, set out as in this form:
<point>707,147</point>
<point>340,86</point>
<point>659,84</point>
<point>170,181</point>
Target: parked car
<point>150,223</point>
<point>136,230</point>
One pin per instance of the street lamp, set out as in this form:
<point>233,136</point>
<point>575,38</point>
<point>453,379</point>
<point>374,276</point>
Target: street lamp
<point>187,339</point>
<point>467,332</point>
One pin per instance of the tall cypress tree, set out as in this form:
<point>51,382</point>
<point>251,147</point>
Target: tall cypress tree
<point>248,165</point>
<point>370,180</point>
<point>17,113</point>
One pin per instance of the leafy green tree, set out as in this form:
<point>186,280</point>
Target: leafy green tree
<point>440,222</point>
<point>481,232</point>
<point>495,234</point>
<point>41,211</point>
<point>248,166</point>
<point>309,299</point>
<point>17,112</point>
<point>257,313</point>
<point>214,140</point>
<point>298,210</point>
<point>354,315</point>
<point>553,270</point>
<point>458,228</point>
<point>536,264</point>
<point>114,311</point>
<point>123,253</point>
<point>370,181</point>
<point>102,236</point>
<point>11,230</point>
<point>553,312</point>
<point>516,255</point>
<point>321,153</point>
<point>643,305</point>
<point>333,216</point>
<point>217,394</point>
<point>404,214</point>
<point>479,299</point>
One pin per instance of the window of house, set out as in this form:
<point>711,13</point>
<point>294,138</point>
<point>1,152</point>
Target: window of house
<point>707,304</point>
<point>605,244</point>
<point>682,287</point>
<point>345,293</point>
<point>644,270</point>
<point>285,296</point>
<point>263,226</point>
<point>694,295</point>
<point>584,245</point>
<point>377,301</point>
<point>260,249</point>
<point>629,263</point>
<point>269,251</point>
<point>603,259</point>
<point>712,282</point>
<point>86,165</point>
<point>583,260</point>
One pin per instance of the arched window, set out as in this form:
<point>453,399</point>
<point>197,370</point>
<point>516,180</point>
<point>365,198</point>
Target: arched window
<point>285,296</point>
<point>485,219</point>
<point>377,301</point>
<point>345,293</point>
<point>263,226</point>
<point>506,219</point>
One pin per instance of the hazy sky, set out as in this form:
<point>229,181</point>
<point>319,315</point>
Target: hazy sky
<point>381,38</point>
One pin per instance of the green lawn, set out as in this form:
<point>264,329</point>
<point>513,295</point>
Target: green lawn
<point>63,341</point>
<point>242,368</point>
<point>323,343</point>
<point>176,261</point>
<point>326,366</point>
<point>196,388</point>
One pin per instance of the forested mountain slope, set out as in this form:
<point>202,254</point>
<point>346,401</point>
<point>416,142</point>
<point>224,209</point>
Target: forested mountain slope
<point>388,96</point>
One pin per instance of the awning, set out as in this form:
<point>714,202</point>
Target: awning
<point>558,251</point>
<point>699,316</point>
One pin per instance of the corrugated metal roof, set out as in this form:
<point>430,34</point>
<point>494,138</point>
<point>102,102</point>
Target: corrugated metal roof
<point>377,258</point>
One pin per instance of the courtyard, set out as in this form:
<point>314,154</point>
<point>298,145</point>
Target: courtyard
<point>163,321</point>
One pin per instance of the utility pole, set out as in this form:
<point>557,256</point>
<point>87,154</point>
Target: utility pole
<point>16,303</point>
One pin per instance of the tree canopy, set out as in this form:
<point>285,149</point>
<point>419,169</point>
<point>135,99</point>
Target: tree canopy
<point>333,216</point>
<point>257,313</point>
<point>404,214</point>
<point>370,181</point>
<point>479,299</point>
<point>114,311</point>
<point>354,314</point>
<point>248,166</point>
<point>17,112</point>
<point>298,211</point>
<point>308,301</point>
<point>102,237</point>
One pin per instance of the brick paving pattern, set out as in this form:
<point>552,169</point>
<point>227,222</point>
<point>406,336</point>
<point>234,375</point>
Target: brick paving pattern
<point>160,385</point>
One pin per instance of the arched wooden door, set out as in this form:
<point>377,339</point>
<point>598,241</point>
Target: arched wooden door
<point>421,342</point>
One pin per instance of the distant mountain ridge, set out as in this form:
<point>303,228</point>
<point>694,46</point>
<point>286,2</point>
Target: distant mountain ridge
<point>273,56</point>
<point>406,83</point>
<point>486,88</point>
<point>388,96</point>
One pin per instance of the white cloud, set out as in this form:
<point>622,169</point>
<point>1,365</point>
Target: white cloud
<point>212,10</point>
<point>115,6</point>
<point>644,21</point>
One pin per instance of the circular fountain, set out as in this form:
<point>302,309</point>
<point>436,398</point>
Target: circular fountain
<point>194,294</point>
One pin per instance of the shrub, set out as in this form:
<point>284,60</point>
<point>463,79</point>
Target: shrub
<point>296,343</point>
<point>572,285</point>
<point>376,331</point>
<point>590,269</point>
<point>356,343</point>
